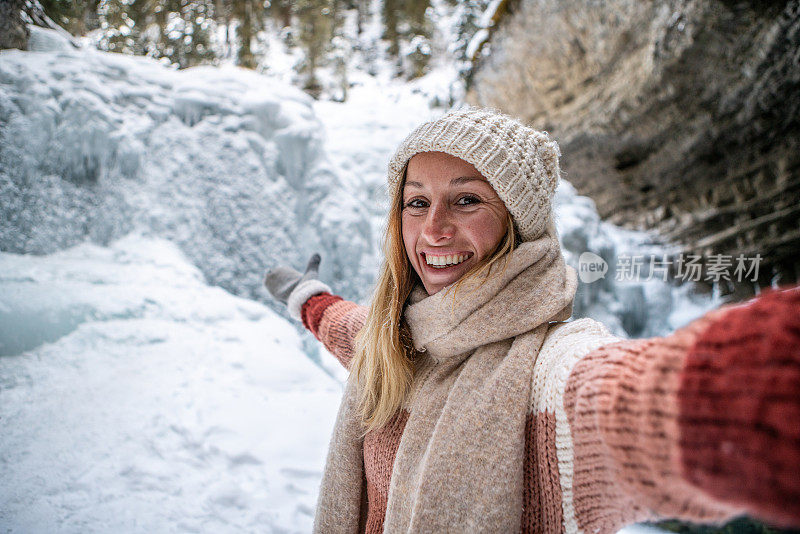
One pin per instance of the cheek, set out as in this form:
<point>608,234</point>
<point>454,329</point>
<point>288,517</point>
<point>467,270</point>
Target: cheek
<point>410,232</point>
<point>487,231</point>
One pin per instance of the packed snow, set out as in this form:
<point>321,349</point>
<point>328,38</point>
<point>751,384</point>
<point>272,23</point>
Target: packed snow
<point>143,386</point>
<point>141,399</point>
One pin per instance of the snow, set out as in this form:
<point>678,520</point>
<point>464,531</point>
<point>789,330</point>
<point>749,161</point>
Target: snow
<point>43,40</point>
<point>480,37</point>
<point>149,401</point>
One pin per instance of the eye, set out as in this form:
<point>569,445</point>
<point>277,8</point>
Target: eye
<point>467,200</point>
<point>416,203</point>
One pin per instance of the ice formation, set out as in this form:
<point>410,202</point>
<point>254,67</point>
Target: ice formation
<point>226,163</point>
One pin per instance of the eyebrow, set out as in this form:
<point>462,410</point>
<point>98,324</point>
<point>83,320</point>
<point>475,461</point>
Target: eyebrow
<point>455,181</point>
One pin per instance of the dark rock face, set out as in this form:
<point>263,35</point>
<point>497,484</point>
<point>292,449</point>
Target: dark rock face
<point>13,31</point>
<point>679,116</point>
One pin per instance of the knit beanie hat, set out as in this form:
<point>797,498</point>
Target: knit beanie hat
<point>520,163</point>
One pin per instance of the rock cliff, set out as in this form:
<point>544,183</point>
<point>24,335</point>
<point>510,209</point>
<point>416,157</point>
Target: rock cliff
<point>679,116</point>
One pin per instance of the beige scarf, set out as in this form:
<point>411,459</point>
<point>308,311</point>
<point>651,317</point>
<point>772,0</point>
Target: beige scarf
<point>460,460</point>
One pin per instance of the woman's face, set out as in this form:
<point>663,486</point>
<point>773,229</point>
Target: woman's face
<point>451,219</point>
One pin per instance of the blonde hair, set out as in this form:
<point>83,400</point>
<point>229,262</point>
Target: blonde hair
<point>383,364</point>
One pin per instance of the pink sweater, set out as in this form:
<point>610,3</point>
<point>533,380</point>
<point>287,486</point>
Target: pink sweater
<point>722,394</point>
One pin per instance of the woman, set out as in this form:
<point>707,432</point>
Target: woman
<point>473,407</point>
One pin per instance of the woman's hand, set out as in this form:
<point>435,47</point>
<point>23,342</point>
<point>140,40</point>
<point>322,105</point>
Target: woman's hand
<point>293,288</point>
<point>282,280</point>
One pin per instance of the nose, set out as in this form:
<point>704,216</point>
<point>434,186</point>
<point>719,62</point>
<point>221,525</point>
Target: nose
<point>439,224</point>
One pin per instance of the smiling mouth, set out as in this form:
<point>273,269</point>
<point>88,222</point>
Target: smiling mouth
<point>446,260</point>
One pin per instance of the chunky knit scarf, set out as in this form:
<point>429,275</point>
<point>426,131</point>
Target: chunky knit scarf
<point>459,462</point>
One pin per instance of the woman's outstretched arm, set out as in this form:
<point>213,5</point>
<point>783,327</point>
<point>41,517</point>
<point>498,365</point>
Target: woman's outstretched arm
<point>335,322</point>
<point>332,320</point>
<point>701,425</point>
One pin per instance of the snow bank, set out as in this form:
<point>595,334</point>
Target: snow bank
<point>226,163</point>
<point>158,404</point>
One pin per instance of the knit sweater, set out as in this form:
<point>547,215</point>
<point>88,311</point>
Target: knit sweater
<point>701,425</point>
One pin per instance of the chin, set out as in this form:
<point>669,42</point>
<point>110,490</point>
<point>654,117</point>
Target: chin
<point>434,286</point>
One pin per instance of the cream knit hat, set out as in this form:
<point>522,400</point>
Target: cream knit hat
<point>520,163</point>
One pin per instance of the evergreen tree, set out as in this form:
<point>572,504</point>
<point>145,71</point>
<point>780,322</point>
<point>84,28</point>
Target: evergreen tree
<point>419,35</point>
<point>249,17</point>
<point>414,13</point>
<point>174,29</point>
<point>316,27</point>
<point>117,27</point>
<point>223,17</point>
<point>75,16</point>
<point>468,17</point>
<point>282,11</point>
<point>408,31</point>
<point>140,19</point>
<point>390,14</point>
<point>184,29</point>
<point>13,31</point>
<point>362,12</point>
<point>199,22</point>
<point>341,49</point>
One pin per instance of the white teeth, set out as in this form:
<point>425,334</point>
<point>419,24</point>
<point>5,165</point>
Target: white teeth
<point>446,260</point>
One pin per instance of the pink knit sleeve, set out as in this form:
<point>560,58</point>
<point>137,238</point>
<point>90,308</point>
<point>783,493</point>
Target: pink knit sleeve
<point>740,408</point>
<point>681,427</point>
<point>335,322</point>
<point>622,405</point>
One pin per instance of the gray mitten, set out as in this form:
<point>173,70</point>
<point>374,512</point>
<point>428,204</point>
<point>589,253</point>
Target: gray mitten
<point>294,288</point>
